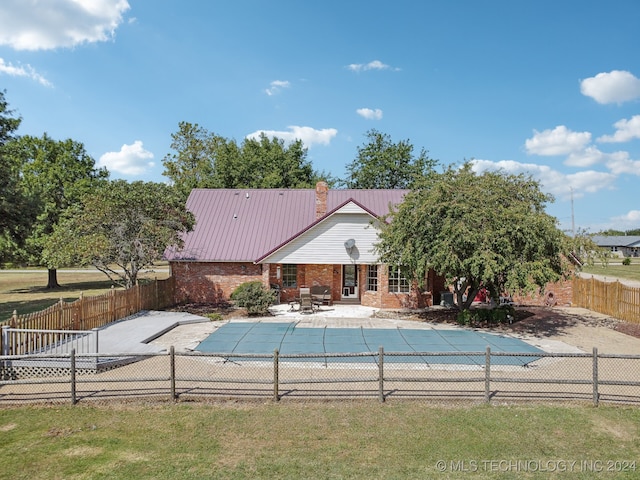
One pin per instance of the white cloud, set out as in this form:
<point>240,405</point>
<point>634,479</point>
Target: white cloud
<point>276,86</point>
<point>585,158</point>
<point>26,71</point>
<point>628,221</point>
<point>49,24</point>
<point>553,181</point>
<point>373,65</point>
<point>309,136</point>
<point>130,160</point>
<point>616,86</point>
<point>370,114</point>
<point>625,130</point>
<point>559,141</point>
<point>619,163</point>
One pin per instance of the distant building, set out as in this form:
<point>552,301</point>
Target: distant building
<point>621,246</point>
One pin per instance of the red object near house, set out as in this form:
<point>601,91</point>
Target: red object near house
<point>481,296</point>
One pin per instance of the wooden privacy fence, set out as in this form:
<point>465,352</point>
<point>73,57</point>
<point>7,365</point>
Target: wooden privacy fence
<point>611,298</point>
<point>87,313</point>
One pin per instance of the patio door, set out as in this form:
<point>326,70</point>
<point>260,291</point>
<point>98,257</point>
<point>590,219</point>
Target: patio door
<point>349,281</point>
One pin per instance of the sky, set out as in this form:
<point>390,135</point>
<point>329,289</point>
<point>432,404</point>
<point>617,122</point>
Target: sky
<point>546,88</point>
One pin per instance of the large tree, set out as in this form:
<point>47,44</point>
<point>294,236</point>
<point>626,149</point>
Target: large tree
<point>478,230</point>
<point>11,201</point>
<point>120,229</point>
<point>383,164</point>
<point>53,176</point>
<point>201,159</point>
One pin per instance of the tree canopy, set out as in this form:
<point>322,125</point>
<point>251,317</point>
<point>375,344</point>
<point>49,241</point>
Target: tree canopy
<point>11,201</point>
<point>478,230</point>
<point>201,159</point>
<point>383,164</point>
<point>120,229</point>
<point>53,176</point>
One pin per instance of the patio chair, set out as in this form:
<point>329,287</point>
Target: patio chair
<point>321,294</point>
<point>307,305</point>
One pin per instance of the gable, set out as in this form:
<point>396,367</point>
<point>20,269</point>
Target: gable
<point>246,225</point>
<point>324,242</point>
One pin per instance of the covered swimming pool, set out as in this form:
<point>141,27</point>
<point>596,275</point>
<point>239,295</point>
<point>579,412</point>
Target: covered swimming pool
<point>289,338</point>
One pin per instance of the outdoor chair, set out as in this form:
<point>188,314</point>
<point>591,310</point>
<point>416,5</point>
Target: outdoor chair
<point>307,305</point>
<point>321,294</point>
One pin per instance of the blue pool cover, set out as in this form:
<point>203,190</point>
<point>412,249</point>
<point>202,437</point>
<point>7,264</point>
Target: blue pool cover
<point>264,338</point>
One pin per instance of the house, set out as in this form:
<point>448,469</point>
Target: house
<point>621,246</point>
<point>292,238</point>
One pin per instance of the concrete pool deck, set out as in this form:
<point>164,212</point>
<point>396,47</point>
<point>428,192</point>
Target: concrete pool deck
<point>187,337</point>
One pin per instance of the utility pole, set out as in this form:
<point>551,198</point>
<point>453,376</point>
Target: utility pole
<point>573,222</point>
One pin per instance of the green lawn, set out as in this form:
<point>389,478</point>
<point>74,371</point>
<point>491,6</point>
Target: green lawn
<point>25,290</point>
<point>617,270</point>
<point>317,440</point>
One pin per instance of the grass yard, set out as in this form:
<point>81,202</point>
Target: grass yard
<point>616,269</point>
<point>26,292</point>
<point>318,440</point>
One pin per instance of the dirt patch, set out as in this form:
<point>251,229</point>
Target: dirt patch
<point>531,320</point>
<point>223,311</point>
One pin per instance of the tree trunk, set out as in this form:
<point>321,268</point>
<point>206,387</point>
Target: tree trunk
<point>53,279</point>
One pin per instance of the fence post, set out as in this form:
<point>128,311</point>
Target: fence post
<point>14,319</point>
<point>112,304</point>
<point>60,313</point>
<point>80,318</point>
<point>73,376</point>
<point>596,395</point>
<point>172,371</point>
<point>5,340</point>
<point>487,375</point>
<point>155,287</point>
<point>381,374</point>
<point>96,344</point>
<point>276,375</point>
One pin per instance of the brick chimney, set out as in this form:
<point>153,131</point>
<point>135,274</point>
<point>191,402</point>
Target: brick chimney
<point>321,199</point>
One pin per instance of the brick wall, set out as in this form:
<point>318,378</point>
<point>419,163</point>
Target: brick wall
<point>558,293</point>
<point>209,282</point>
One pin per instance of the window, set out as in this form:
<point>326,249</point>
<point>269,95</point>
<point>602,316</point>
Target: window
<point>289,276</point>
<point>398,283</point>
<point>372,278</point>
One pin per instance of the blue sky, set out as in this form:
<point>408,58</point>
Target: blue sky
<point>548,88</point>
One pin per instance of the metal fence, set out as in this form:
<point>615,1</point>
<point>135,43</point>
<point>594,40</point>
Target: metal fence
<point>463,376</point>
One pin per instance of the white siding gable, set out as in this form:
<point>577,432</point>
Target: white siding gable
<point>325,242</point>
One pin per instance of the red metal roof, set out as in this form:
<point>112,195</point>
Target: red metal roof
<point>241,225</point>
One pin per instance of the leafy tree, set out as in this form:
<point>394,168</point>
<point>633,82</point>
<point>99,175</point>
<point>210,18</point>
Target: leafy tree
<point>487,230</point>
<point>192,164</point>
<point>54,175</point>
<point>382,164</point>
<point>120,229</point>
<point>12,205</point>
<point>201,159</point>
<point>585,251</point>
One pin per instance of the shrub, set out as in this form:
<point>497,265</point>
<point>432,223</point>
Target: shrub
<point>253,296</point>
<point>626,261</point>
<point>502,314</point>
<point>214,317</point>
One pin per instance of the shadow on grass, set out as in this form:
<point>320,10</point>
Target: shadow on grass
<point>67,287</point>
